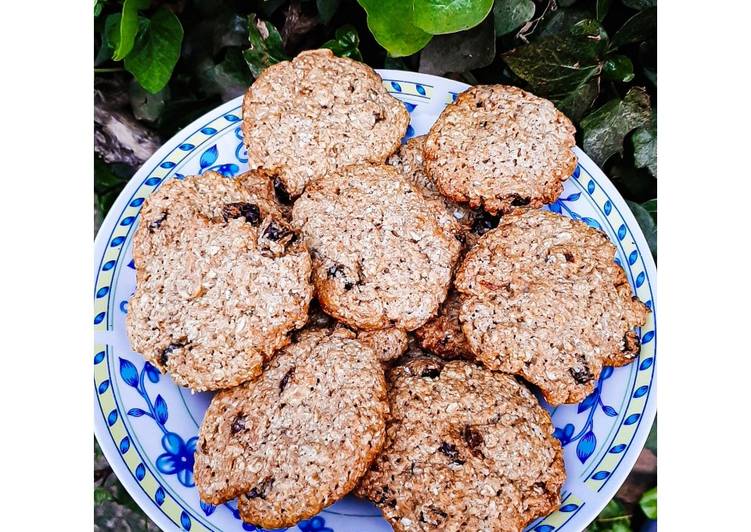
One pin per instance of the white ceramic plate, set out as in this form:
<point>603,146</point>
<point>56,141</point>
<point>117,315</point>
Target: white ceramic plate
<point>147,425</point>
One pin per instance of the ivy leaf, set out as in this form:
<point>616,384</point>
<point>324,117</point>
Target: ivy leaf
<point>128,27</point>
<point>561,63</point>
<point>560,20</point>
<point>606,127</point>
<point>638,28</point>
<point>390,22</point>
<point>101,494</point>
<point>265,46</point>
<point>618,68</point>
<point>146,106</point>
<point>577,102</point>
<point>228,78</point>
<point>651,207</point>
<point>460,52</point>
<point>648,503</point>
<point>345,43</point>
<point>639,4</point>
<point>613,518</point>
<point>511,14</point>
<point>644,140</point>
<point>449,16</point>
<point>326,9</point>
<point>647,224</point>
<point>602,9</point>
<point>157,51</point>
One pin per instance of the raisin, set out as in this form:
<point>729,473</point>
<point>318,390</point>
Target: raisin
<point>631,343</point>
<point>348,285</point>
<point>249,211</point>
<point>568,256</point>
<point>335,271</point>
<point>167,351</point>
<point>449,449</point>
<point>262,489</point>
<point>275,233</point>
<point>473,439</point>
<point>281,193</point>
<point>519,201</point>
<point>431,373</point>
<point>238,424</point>
<point>484,222</point>
<point>153,226</point>
<point>285,380</point>
<point>581,375</point>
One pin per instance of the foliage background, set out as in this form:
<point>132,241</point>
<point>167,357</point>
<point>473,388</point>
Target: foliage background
<point>161,64</point>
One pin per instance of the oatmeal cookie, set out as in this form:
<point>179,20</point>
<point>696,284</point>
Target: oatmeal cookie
<point>221,279</point>
<point>466,449</point>
<point>543,298</point>
<point>307,117</point>
<point>298,438</point>
<point>499,148</point>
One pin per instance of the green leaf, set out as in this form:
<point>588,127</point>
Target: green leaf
<point>146,106</point>
<point>98,5</point>
<point>561,63</point>
<point>265,46</point>
<point>101,495</point>
<point>460,52</point>
<point>449,16</point>
<point>651,75</point>
<point>390,22</point>
<point>560,20</point>
<point>511,14</point>
<point>613,518</point>
<point>228,78</point>
<point>640,27</point>
<point>606,127</point>
<point>602,9</point>
<point>128,27</point>
<point>576,103</point>
<point>651,207</point>
<point>647,224</point>
<point>644,140</point>
<point>639,4</point>
<point>327,9</point>
<point>618,68</point>
<point>648,503</point>
<point>157,51</point>
<point>345,43</point>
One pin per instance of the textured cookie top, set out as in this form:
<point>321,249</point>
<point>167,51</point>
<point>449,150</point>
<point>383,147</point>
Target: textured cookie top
<point>543,298</point>
<point>499,147</point>
<point>307,117</point>
<point>409,161</point>
<point>380,257</point>
<point>388,344</point>
<point>298,438</point>
<point>220,281</point>
<point>466,449</point>
<point>442,334</point>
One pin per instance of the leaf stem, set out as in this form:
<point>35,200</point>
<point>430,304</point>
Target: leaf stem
<point>105,70</point>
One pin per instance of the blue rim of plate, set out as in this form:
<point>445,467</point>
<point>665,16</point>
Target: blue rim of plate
<point>603,477</point>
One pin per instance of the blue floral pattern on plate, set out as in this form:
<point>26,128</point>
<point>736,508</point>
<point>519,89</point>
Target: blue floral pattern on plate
<point>147,426</point>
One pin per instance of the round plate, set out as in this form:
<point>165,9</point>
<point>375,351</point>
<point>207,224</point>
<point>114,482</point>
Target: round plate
<point>147,425</point>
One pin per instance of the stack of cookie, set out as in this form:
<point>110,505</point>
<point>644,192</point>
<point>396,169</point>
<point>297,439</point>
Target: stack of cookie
<point>373,313</point>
